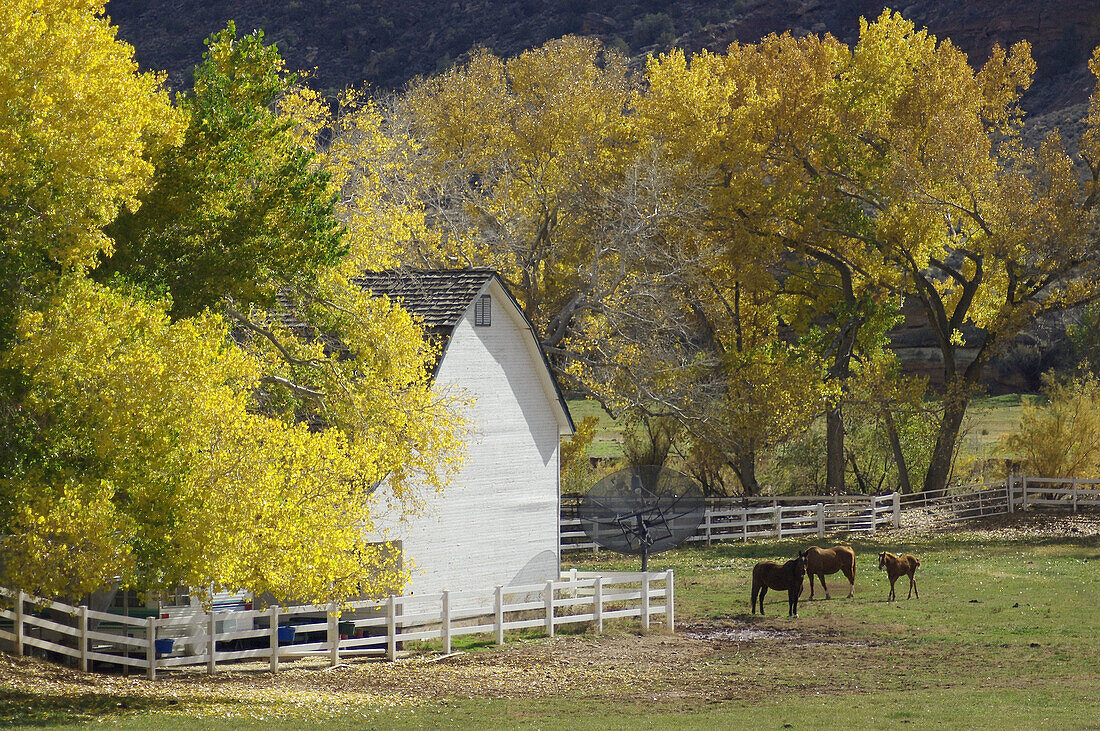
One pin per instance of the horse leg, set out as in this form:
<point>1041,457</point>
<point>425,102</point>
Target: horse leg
<point>822,577</point>
<point>792,601</point>
<point>812,585</point>
<point>912,586</point>
<point>850,574</point>
<point>763,591</point>
<point>755,593</point>
<point>892,580</point>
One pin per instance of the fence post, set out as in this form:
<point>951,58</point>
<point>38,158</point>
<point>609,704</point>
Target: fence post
<point>446,620</point>
<point>273,640</point>
<point>151,646</point>
<point>84,638</point>
<point>391,628</point>
<point>498,611</point>
<point>821,520</point>
<point>897,509</point>
<point>549,608</point>
<point>645,601</point>
<point>597,604</point>
<point>778,521</point>
<point>1011,497</point>
<point>333,636</point>
<point>874,525</point>
<point>1023,504</point>
<point>19,599</point>
<point>670,611</point>
<point>706,522</point>
<point>744,524</point>
<point>212,645</point>
<point>1075,494</point>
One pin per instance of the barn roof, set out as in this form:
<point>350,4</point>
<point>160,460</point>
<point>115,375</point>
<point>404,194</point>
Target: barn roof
<point>442,297</point>
<point>439,296</point>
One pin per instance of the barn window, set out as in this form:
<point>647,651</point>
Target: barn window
<point>483,311</point>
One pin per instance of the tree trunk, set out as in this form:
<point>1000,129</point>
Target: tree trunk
<point>939,469</point>
<point>746,472</point>
<point>904,486</point>
<point>839,371</point>
<point>864,487</point>
<point>834,449</point>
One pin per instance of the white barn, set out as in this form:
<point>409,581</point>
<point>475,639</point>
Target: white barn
<point>496,523</point>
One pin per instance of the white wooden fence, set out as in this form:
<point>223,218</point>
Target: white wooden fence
<point>1059,493</point>
<point>786,517</point>
<point>979,500</point>
<point>357,628</point>
<point>789,516</point>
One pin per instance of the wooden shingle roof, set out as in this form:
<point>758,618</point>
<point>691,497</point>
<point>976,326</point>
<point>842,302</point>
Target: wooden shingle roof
<point>440,297</point>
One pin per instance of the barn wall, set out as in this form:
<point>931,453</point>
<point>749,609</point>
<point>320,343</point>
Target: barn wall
<point>497,522</point>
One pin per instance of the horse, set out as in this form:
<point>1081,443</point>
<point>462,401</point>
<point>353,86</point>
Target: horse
<point>821,561</point>
<point>897,566</point>
<point>770,575</point>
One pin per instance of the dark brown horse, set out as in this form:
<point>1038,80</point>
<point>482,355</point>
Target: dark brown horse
<point>821,561</point>
<point>770,575</point>
<point>898,566</point>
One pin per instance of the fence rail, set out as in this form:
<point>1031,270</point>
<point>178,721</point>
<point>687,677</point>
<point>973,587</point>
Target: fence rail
<point>356,628</point>
<point>786,517</point>
<point>984,499</point>
<point>789,516</point>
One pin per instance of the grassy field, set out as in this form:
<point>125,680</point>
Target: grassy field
<point>1005,634</point>
<point>609,436</point>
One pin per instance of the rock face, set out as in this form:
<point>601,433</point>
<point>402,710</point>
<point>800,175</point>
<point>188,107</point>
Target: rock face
<point>1015,368</point>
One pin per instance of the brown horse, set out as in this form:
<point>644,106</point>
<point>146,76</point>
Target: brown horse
<point>821,561</point>
<point>898,566</point>
<point>770,575</point>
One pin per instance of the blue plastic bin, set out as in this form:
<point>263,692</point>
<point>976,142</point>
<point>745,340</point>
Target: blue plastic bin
<point>286,635</point>
<point>165,645</point>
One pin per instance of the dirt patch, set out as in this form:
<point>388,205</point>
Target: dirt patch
<point>713,633</point>
<point>614,665</point>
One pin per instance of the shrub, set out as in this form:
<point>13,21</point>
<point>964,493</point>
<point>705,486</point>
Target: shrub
<point>1061,438</point>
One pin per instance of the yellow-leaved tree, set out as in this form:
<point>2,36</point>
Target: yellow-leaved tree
<point>987,233</point>
<point>225,443</point>
<point>510,158</point>
<point>78,124</point>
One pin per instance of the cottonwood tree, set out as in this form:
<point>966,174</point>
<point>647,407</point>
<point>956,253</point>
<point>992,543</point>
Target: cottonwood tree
<point>509,158</point>
<point>984,230</point>
<point>751,124</point>
<point>695,337</point>
<point>895,167</point>
<point>240,209</point>
<point>162,446</point>
<point>80,125</point>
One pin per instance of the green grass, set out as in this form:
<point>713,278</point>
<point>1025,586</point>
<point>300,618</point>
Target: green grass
<point>1005,634</point>
<point>609,436</point>
<point>988,420</point>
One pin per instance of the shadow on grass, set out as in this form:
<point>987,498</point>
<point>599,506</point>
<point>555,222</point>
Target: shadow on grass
<point>43,711</point>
